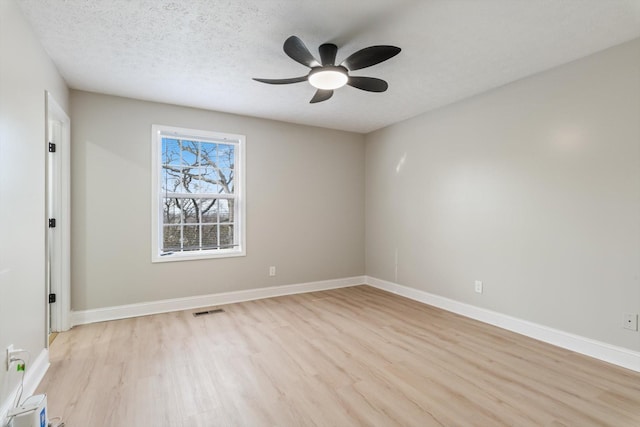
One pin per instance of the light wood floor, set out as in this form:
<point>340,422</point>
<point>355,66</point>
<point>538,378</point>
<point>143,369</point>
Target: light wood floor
<point>52,336</point>
<point>353,356</point>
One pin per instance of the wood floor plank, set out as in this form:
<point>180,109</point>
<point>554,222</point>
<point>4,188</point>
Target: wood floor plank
<point>355,356</point>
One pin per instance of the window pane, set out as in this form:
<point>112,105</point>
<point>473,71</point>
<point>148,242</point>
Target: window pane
<point>209,208</point>
<point>232,210</point>
<point>190,210</point>
<point>207,181</point>
<point>171,211</point>
<point>226,156</point>
<point>170,238</point>
<point>224,213</point>
<point>191,237</point>
<point>190,153</point>
<point>226,184</point>
<point>172,179</point>
<point>170,151</point>
<point>208,154</point>
<point>209,237</point>
<point>226,236</point>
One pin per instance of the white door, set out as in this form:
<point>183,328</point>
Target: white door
<point>58,218</point>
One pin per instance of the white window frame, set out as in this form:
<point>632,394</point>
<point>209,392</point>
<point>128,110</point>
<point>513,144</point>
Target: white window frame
<point>159,131</point>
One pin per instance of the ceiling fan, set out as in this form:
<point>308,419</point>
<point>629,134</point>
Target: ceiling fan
<point>326,76</point>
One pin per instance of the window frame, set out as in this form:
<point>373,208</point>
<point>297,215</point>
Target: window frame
<point>157,218</point>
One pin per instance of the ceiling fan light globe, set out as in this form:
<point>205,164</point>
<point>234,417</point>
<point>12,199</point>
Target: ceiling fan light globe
<point>328,78</point>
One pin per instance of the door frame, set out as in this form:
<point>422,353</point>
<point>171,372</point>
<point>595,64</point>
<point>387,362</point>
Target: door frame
<point>58,245</point>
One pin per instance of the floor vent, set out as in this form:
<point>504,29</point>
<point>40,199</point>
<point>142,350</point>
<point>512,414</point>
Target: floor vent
<point>202,313</point>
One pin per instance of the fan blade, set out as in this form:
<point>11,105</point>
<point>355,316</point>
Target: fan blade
<point>370,84</point>
<point>321,95</point>
<point>328,53</point>
<point>369,56</point>
<point>282,81</point>
<point>296,50</point>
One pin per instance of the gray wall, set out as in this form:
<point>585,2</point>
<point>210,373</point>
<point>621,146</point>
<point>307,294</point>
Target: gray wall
<point>25,73</point>
<point>532,188</point>
<point>305,204</point>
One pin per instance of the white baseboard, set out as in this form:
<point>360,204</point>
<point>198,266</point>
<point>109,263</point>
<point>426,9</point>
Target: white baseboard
<point>188,303</point>
<point>606,352</point>
<point>33,374</point>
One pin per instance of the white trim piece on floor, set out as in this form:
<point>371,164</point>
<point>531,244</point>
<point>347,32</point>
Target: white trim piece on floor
<point>606,352</point>
<point>34,373</point>
<point>188,303</point>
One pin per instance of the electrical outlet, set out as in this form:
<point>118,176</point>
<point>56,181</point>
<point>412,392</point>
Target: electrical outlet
<point>631,321</point>
<point>478,286</point>
<point>8,354</point>
<point>272,271</point>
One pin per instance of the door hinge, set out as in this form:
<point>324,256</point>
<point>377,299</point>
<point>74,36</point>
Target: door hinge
<point>52,298</point>
<point>52,147</point>
<point>52,223</point>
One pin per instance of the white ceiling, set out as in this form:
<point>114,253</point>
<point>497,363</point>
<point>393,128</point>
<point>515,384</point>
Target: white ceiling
<point>203,53</point>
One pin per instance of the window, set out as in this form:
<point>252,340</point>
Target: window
<point>198,203</point>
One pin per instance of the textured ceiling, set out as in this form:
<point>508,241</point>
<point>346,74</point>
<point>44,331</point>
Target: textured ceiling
<point>203,53</point>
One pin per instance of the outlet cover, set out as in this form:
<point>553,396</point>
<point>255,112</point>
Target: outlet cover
<point>478,286</point>
<point>272,271</point>
<point>631,321</point>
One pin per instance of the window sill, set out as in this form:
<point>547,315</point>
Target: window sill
<point>197,255</point>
